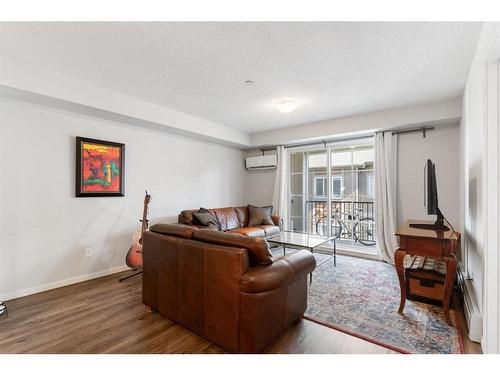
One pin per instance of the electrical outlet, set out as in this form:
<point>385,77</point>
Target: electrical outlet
<point>89,251</point>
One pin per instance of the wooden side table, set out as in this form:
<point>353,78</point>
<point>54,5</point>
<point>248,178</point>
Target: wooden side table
<point>427,243</point>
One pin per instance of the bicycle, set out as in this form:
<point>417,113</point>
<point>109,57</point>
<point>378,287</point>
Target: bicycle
<point>363,230</point>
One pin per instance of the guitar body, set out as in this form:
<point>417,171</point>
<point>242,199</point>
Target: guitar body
<point>134,254</point>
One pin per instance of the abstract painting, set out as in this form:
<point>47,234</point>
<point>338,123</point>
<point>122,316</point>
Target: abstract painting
<point>99,168</point>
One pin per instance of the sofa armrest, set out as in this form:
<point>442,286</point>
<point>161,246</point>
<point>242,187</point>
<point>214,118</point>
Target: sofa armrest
<point>279,273</point>
<point>302,262</point>
<point>276,220</point>
<point>264,278</point>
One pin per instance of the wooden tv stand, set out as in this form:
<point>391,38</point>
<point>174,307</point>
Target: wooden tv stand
<point>437,244</point>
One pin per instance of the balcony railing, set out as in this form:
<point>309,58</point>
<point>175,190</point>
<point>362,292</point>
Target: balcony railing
<point>351,220</point>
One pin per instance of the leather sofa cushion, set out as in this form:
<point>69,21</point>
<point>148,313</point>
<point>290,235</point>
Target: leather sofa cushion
<point>186,217</point>
<point>257,248</point>
<point>176,230</point>
<point>249,231</point>
<point>227,217</point>
<point>211,227</point>
<point>242,213</point>
<point>269,229</point>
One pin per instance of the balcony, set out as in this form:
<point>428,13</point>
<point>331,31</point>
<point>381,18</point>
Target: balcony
<point>352,221</point>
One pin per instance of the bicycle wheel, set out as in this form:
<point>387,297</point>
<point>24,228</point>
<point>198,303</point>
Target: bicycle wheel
<point>322,227</point>
<point>364,232</point>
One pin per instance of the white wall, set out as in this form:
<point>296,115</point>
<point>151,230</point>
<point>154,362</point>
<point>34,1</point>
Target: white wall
<point>442,147</point>
<point>479,144</point>
<point>44,228</point>
<point>472,140</point>
<point>259,185</point>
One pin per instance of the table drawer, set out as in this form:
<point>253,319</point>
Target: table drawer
<point>424,247</point>
<point>428,289</point>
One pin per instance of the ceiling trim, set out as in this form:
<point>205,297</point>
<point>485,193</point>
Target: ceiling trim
<point>440,112</point>
<point>25,82</point>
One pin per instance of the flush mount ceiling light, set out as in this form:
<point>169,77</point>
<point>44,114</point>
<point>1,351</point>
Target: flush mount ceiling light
<point>286,105</point>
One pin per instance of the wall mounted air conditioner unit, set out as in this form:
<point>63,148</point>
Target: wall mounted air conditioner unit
<point>254,163</point>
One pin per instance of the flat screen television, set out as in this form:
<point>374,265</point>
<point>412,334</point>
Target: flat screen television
<point>431,198</point>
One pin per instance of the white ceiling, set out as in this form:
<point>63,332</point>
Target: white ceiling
<point>332,69</point>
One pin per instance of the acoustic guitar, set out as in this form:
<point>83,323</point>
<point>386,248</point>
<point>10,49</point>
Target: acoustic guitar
<point>134,254</point>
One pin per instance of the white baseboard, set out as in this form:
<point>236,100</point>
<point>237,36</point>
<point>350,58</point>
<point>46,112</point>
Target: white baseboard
<point>349,252</point>
<point>61,283</point>
<point>359,254</point>
<point>473,317</point>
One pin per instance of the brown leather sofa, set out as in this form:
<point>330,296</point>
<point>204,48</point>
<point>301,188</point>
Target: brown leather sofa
<point>233,220</point>
<point>225,287</point>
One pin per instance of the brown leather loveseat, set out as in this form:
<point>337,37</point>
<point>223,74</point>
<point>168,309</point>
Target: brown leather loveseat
<point>234,220</point>
<point>224,287</point>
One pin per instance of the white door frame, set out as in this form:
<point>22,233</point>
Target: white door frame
<point>491,194</point>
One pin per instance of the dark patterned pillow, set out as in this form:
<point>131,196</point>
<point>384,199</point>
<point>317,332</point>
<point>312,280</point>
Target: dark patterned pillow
<point>259,215</point>
<point>205,217</point>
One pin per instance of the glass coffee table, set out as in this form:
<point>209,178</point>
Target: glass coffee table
<point>303,241</point>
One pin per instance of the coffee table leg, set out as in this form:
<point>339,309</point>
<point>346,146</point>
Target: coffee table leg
<point>311,274</point>
<point>284,250</point>
<point>334,252</point>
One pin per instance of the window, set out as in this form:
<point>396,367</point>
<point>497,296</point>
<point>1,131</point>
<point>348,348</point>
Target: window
<point>370,188</point>
<point>320,186</point>
<point>337,187</point>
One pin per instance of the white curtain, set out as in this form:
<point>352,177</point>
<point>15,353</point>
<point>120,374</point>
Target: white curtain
<point>385,194</point>
<point>280,192</point>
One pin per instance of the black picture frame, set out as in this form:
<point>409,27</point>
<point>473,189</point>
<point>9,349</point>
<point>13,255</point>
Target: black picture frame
<point>79,191</point>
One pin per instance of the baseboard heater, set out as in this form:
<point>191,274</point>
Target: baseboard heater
<point>471,310</point>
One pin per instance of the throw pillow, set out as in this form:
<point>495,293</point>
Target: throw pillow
<point>205,217</point>
<point>259,215</point>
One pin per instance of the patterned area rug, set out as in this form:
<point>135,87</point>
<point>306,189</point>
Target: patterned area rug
<point>361,297</point>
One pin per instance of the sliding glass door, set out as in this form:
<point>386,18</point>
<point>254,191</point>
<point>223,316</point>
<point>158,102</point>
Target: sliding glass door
<point>332,193</point>
<point>307,185</point>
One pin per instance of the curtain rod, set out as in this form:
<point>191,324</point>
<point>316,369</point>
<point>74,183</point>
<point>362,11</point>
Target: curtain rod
<point>323,142</point>
<point>422,129</point>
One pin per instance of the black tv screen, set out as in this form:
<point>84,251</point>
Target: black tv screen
<point>431,195</point>
<point>431,199</point>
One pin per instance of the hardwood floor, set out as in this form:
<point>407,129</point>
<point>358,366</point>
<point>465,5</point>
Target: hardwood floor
<point>105,316</point>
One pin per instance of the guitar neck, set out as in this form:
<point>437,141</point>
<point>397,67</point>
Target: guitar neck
<point>145,219</point>
<point>144,227</point>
